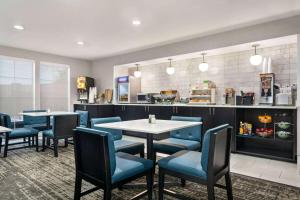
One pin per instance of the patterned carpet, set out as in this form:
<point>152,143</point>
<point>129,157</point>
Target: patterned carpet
<point>29,175</point>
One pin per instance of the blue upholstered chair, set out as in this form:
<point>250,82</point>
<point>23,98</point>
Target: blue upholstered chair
<point>39,123</point>
<point>17,133</point>
<point>183,139</point>
<point>84,117</point>
<point>97,163</point>
<point>203,168</point>
<point>120,144</point>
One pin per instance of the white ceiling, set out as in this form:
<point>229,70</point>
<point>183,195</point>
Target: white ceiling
<point>54,26</point>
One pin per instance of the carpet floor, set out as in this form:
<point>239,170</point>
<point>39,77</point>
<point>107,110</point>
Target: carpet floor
<point>29,175</point>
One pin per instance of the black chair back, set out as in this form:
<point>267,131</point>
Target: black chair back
<point>220,147</point>
<point>63,125</point>
<point>92,155</point>
<point>5,120</point>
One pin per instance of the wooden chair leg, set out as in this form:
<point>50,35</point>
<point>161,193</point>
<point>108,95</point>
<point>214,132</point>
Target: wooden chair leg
<point>55,147</point>
<point>161,184</point>
<point>154,162</point>
<point>183,182</point>
<point>149,184</point>
<point>142,154</point>
<point>43,143</point>
<point>107,194</point>
<point>5,147</point>
<point>37,143</point>
<point>0,144</point>
<point>120,188</point>
<point>210,191</point>
<point>228,186</point>
<point>66,142</point>
<point>77,192</point>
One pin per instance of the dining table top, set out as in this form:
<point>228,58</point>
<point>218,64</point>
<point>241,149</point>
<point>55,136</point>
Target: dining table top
<point>143,125</point>
<point>44,114</point>
<point>4,129</point>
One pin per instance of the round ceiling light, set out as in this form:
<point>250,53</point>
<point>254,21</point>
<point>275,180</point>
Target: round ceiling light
<point>136,22</point>
<point>81,43</point>
<point>255,59</point>
<point>203,67</point>
<point>170,70</point>
<point>19,27</point>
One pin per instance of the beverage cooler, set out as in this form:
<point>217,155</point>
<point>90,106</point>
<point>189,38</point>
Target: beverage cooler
<point>127,89</point>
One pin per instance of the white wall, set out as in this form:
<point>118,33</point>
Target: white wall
<point>77,66</point>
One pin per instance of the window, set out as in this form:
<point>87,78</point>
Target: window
<point>54,86</point>
<point>16,85</point>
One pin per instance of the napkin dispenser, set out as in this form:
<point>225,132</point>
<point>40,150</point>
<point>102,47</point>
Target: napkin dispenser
<point>245,99</point>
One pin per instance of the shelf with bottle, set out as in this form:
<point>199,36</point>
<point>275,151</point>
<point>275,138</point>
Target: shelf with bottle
<point>281,131</point>
<point>263,140</point>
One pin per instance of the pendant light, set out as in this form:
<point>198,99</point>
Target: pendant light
<point>203,66</point>
<point>137,73</point>
<point>170,70</point>
<point>255,59</point>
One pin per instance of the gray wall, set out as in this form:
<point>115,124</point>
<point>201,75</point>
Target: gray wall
<point>102,69</point>
<point>77,66</point>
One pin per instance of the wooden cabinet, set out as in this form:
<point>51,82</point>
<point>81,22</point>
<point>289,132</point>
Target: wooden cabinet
<point>119,110</point>
<point>206,114</point>
<point>96,110</point>
<point>136,112</point>
<point>166,112</point>
<point>105,111</point>
<point>226,116</point>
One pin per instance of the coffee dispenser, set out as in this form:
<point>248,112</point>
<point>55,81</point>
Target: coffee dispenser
<point>267,88</point>
<point>83,86</point>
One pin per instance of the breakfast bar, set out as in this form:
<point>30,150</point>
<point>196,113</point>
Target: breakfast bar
<point>274,147</point>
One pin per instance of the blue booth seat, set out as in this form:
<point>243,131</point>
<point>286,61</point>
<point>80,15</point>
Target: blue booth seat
<point>206,167</point>
<point>84,118</point>
<point>39,123</point>
<point>17,133</point>
<point>94,168</point>
<point>183,139</point>
<point>120,144</point>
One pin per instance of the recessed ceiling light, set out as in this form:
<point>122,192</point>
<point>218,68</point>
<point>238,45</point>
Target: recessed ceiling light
<point>19,27</point>
<point>81,43</point>
<point>136,22</point>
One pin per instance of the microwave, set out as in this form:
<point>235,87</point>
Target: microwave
<point>142,98</point>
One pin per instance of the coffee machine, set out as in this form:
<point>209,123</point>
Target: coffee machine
<point>83,87</point>
<point>267,95</point>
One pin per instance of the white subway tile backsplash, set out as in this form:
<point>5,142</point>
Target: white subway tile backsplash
<point>228,70</point>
